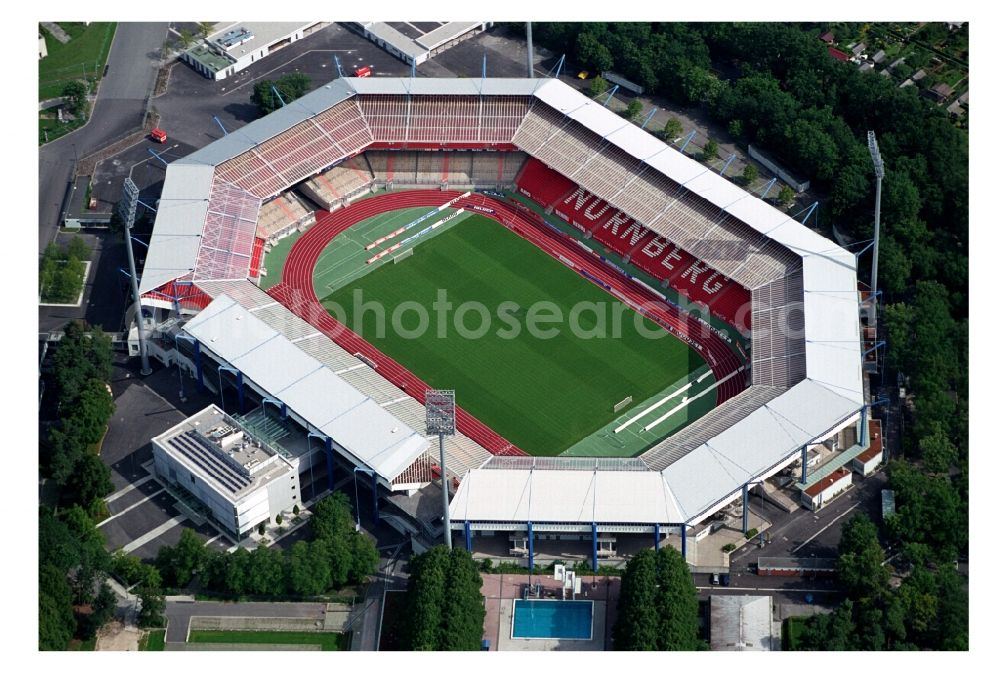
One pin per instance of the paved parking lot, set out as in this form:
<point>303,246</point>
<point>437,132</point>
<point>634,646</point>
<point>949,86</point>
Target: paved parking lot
<point>143,516</point>
<point>191,100</point>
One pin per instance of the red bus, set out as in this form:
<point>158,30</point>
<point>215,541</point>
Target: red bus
<point>158,135</point>
<point>363,71</point>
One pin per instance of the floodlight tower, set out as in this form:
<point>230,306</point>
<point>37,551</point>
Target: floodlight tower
<point>440,405</point>
<point>879,174</point>
<point>127,207</point>
<point>531,64</point>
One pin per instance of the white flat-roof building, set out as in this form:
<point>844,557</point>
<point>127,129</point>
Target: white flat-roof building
<point>240,480</point>
<point>234,45</point>
<point>416,42</point>
<point>743,623</point>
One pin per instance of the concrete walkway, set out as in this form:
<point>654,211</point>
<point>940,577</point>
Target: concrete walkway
<point>56,30</point>
<point>153,534</point>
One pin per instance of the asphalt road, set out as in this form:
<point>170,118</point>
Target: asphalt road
<point>120,106</point>
<point>804,533</point>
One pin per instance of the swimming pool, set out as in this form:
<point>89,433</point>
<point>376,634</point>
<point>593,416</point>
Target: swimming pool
<point>573,620</point>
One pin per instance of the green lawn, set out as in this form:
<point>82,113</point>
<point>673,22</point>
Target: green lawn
<point>82,57</point>
<point>153,640</point>
<point>327,640</point>
<point>790,632</point>
<point>541,393</point>
<point>49,129</point>
<point>274,260</point>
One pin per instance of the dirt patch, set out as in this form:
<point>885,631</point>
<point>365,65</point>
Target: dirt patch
<point>117,636</point>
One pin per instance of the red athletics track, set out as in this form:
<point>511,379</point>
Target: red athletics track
<point>297,294</point>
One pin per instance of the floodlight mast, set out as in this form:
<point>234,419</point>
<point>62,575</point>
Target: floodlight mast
<point>879,174</point>
<point>440,407</point>
<point>531,63</point>
<point>128,208</point>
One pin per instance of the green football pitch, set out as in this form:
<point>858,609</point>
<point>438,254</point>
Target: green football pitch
<point>542,392</point>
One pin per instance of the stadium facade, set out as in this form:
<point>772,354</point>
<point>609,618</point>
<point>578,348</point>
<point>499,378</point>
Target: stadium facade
<point>805,383</point>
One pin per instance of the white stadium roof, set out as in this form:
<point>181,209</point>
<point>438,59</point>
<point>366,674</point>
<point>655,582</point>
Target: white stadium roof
<point>565,496</point>
<point>308,388</point>
<point>818,387</point>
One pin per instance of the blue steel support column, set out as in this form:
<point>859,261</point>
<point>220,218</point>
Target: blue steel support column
<point>197,366</point>
<point>805,460</point>
<point>593,551</point>
<point>239,389</point>
<point>684,541</point>
<point>656,537</point>
<point>329,463</point>
<point>531,548</point>
<point>468,537</point>
<point>284,411</point>
<point>375,497</point>
<point>864,425</point>
<point>746,511</point>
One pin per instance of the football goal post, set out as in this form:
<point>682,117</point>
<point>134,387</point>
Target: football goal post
<point>623,403</point>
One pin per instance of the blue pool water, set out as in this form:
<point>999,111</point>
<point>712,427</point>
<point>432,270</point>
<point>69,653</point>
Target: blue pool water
<point>553,619</point>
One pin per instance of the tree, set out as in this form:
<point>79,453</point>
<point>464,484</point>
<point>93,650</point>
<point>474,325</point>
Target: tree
<point>56,623</point>
<point>290,87</point>
<point>131,570</point>
<point>833,631</point>
<point>749,173</point>
<point>295,510</point>
<point>443,609</point>
<point>735,128</point>
<point>180,563</point>
<point>278,519</point>
<point>267,572</point>
<point>672,129</point>
<point>78,249</point>
<point>75,93</point>
<point>260,528</point>
<point>294,85</point>
<point>102,610</point>
<point>308,569</point>
<point>152,607</point>
<point>929,510</point>
<point>237,572</point>
<point>710,150</point>
<point>677,602</point>
<point>937,451</point>
<point>425,593</point>
<point>364,558</point>
<point>92,410</point>
<point>90,482</point>
<point>205,28</point>
<point>593,53</point>
<point>658,607</point>
<point>598,86</point>
<point>786,196</point>
<point>65,451</point>
<point>633,110</point>
<point>463,611</point>
<point>860,557</point>
<point>638,623</point>
<point>185,37</point>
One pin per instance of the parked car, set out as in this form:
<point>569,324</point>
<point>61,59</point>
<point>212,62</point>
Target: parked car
<point>715,578</point>
<point>725,579</point>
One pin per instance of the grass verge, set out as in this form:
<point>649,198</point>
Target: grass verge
<point>326,640</point>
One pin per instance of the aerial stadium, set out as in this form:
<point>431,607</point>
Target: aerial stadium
<point>739,354</point>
